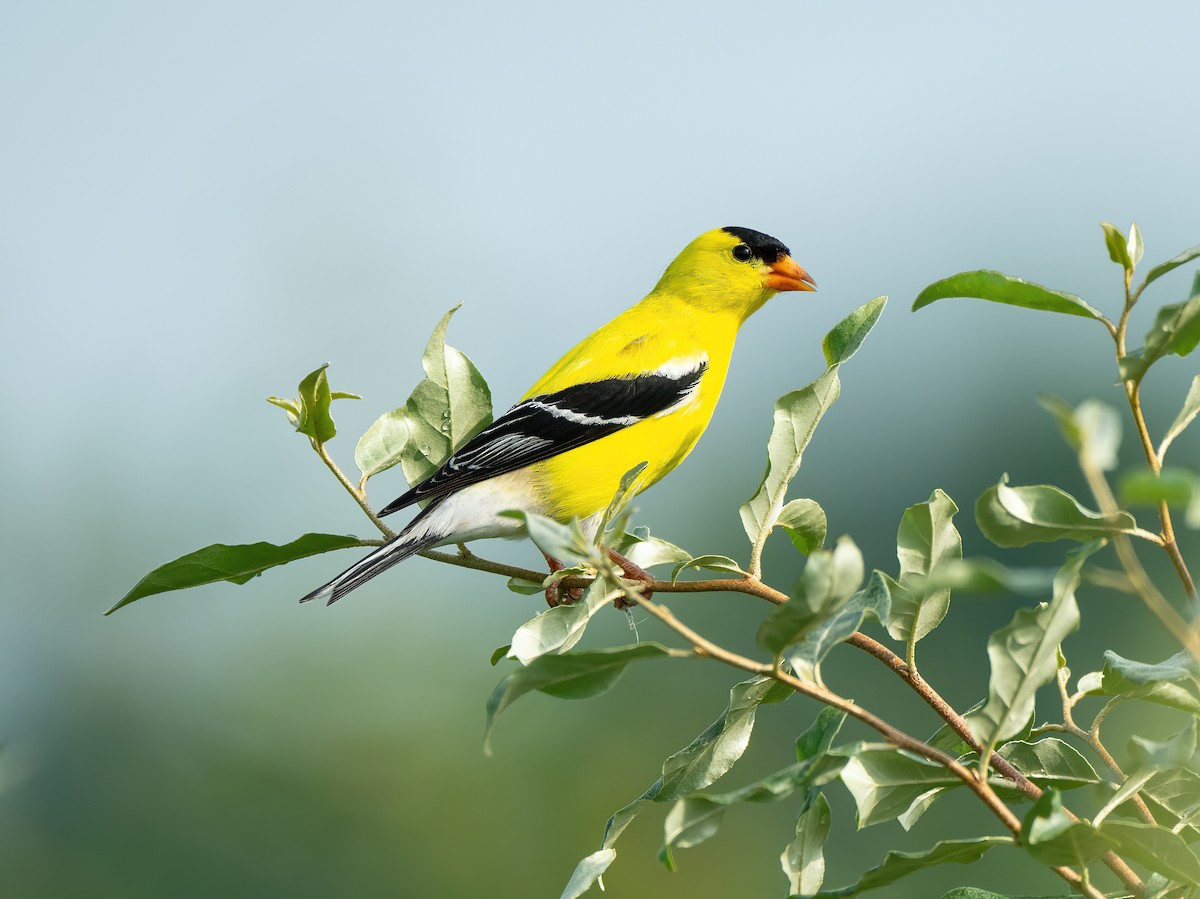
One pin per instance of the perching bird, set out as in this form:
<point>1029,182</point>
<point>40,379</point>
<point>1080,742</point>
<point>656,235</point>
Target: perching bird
<point>640,389</point>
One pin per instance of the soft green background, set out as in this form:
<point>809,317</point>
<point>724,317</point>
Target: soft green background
<point>201,203</point>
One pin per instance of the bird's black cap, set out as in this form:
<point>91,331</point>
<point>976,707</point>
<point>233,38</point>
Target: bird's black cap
<point>764,246</point>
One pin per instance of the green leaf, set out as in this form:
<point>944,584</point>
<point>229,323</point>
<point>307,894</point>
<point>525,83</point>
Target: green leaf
<point>802,859</point>
<point>1156,848</point>
<point>1172,752</point>
<point>806,656</point>
<point>310,413</point>
<point>1017,516</point>
<point>236,564</point>
<point>1092,429</point>
<point>1001,288</point>
<point>1024,656</point>
<point>565,542</point>
<point>709,756</point>
<point>1118,246</point>
<point>625,492</point>
<point>1174,486</point>
<point>900,864</point>
<point>579,675</point>
<point>450,406</point>
<point>697,817</point>
<point>988,576</point>
<point>1191,407</point>
<point>556,630</point>
<point>1177,790</point>
<point>976,893</point>
<point>709,562</point>
<point>847,336</point>
<point>1050,835</point>
<point>795,419</point>
<point>588,872</point>
<point>1122,674</point>
<point>805,524</point>
<point>1176,329</point>
<point>639,547</point>
<point>926,540</point>
<point>1171,264</point>
<point>886,781</point>
<point>524,587</point>
<point>1050,762</point>
<point>827,583</point>
<point>1135,247</point>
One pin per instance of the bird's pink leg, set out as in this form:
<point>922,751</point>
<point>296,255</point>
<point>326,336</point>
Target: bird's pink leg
<point>554,597</point>
<point>632,572</point>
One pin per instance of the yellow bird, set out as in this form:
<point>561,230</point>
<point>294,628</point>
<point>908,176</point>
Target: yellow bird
<point>640,389</point>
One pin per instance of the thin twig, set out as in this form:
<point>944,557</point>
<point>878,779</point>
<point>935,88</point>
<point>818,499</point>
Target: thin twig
<point>359,497</point>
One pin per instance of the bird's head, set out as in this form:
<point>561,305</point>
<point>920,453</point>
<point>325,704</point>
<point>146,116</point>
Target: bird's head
<point>733,270</point>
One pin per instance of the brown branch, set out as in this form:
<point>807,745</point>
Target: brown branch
<point>896,737</point>
<point>756,588</point>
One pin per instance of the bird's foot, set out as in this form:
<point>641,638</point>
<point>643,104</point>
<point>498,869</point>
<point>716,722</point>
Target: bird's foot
<point>632,572</point>
<point>555,595</point>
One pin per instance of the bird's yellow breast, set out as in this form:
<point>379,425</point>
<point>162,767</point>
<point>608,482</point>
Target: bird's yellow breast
<point>656,334</point>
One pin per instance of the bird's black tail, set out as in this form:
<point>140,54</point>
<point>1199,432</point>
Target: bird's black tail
<point>408,542</point>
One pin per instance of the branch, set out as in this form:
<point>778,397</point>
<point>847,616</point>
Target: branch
<point>898,738</point>
<point>360,497</point>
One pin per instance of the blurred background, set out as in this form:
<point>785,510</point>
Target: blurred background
<point>203,203</point>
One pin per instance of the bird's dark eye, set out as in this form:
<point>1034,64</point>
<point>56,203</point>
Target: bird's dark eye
<point>742,253</point>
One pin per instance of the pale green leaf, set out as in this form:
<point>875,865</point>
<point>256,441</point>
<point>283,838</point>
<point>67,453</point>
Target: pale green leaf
<point>1136,246</point>
<point>1174,486</point>
<point>578,675</point>
<point>1122,675</point>
<point>588,872</point>
<point>708,757</point>
<point>1017,516</point>
<point>448,407</point>
<point>1024,656</point>
<point>886,781</point>
<point>1092,429</point>
<point>1157,754</point>
<point>803,859</point>
<point>1171,264</point>
<point>1050,762</point>
<point>639,547</point>
<point>1191,407</point>
<point>1000,288</point>
<point>1176,329</point>
<point>900,864</point>
<point>558,629</point>
<point>708,562</point>
<point>234,563</point>
<point>697,817</point>
<point>847,335</point>
<point>565,542</point>
<point>1051,836</point>
<point>795,418</point>
<point>805,657</point>
<point>988,576</point>
<point>1118,246</point>
<point>805,524</point>
<point>1155,847</point>
<point>620,501</point>
<point>926,540</point>
<point>827,583</point>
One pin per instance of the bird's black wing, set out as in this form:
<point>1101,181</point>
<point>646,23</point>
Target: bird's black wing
<point>548,424</point>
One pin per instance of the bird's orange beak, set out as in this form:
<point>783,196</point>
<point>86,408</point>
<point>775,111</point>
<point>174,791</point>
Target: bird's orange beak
<point>785,274</point>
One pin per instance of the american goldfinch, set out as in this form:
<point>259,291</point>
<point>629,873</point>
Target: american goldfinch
<point>640,389</point>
